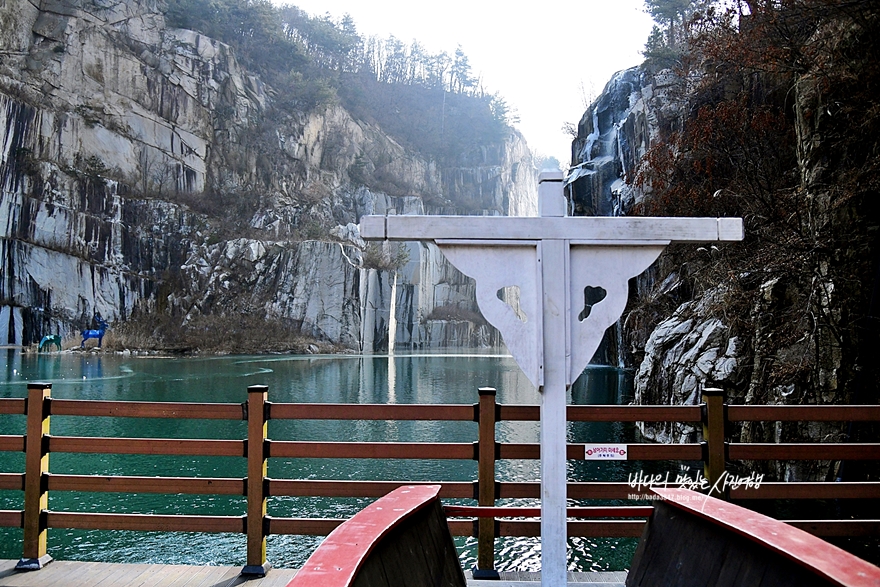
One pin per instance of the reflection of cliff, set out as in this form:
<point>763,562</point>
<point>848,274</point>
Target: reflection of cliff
<point>144,170</point>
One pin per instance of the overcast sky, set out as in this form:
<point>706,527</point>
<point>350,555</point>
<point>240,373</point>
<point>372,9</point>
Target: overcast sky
<point>545,61</point>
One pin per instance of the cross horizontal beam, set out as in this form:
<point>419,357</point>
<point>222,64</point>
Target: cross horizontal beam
<point>583,229</point>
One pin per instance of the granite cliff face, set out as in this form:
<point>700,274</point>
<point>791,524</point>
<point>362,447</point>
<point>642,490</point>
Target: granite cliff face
<point>674,355</point>
<point>612,137</point>
<point>144,170</point>
<point>788,316</point>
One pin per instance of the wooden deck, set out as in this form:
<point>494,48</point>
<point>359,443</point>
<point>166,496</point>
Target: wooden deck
<point>85,574</point>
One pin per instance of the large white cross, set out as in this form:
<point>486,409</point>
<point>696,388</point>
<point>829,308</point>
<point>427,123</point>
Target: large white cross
<point>573,275</point>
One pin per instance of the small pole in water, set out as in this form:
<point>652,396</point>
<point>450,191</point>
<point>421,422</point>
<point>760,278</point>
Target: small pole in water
<point>392,314</point>
<point>392,338</point>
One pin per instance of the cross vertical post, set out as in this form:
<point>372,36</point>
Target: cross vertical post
<point>572,274</point>
<point>714,437</point>
<point>553,258</point>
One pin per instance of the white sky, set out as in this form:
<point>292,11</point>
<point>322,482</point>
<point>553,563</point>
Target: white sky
<point>546,62</point>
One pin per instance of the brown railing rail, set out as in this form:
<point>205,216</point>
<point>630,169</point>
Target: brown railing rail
<point>485,521</point>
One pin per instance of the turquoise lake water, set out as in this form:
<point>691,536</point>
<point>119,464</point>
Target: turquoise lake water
<point>416,378</point>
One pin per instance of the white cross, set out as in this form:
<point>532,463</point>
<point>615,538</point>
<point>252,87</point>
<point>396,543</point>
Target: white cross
<point>573,275</point>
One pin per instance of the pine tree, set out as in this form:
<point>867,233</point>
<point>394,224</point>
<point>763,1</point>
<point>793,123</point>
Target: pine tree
<point>670,13</point>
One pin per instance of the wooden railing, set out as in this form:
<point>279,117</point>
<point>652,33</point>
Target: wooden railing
<point>485,521</point>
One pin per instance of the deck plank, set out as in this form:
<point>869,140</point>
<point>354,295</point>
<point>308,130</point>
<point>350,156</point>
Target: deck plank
<point>64,572</point>
<point>91,574</point>
<point>172,575</point>
<point>119,576</point>
<point>200,577</point>
<point>6,568</point>
<point>143,578</point>
<point>230,577</point>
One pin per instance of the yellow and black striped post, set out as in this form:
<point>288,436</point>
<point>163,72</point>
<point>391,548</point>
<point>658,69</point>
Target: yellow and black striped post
<point>36,465</point>
<point>257,470</point>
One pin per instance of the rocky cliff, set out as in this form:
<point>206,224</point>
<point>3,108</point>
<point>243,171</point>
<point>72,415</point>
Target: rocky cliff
<point>679,339</point>
<point>788,316</point>
<point>145,171</point>
<point>678,347</point>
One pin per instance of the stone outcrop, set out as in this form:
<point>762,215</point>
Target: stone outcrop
<point>254,277</point>
<point>72,245</point>
<point>612,137</point>
<point>144,167</point>
<point>782,318</point>
<point>682,354</point>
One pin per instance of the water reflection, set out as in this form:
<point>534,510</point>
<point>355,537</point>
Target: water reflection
<point>412,378</point>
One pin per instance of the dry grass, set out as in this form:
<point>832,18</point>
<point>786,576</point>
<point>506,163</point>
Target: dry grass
<point>455,314</point>
<point>212,334</point>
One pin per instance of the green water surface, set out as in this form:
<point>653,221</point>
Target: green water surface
<point>435,378</point>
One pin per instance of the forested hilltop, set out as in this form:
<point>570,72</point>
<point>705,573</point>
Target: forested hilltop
<point>431,102</point>
<point>768,111</point>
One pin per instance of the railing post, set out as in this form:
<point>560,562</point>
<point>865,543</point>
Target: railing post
<point>36,463</point>
<point>257,470</point>
<point>485,568</point>
<point>714,436</point>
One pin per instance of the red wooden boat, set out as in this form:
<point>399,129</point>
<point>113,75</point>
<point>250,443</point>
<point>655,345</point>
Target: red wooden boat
<point>693,539</point>
<point>690,540</point>
<point>400,539</point>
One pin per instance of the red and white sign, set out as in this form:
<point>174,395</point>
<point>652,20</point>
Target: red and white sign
<point>605,452</point>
